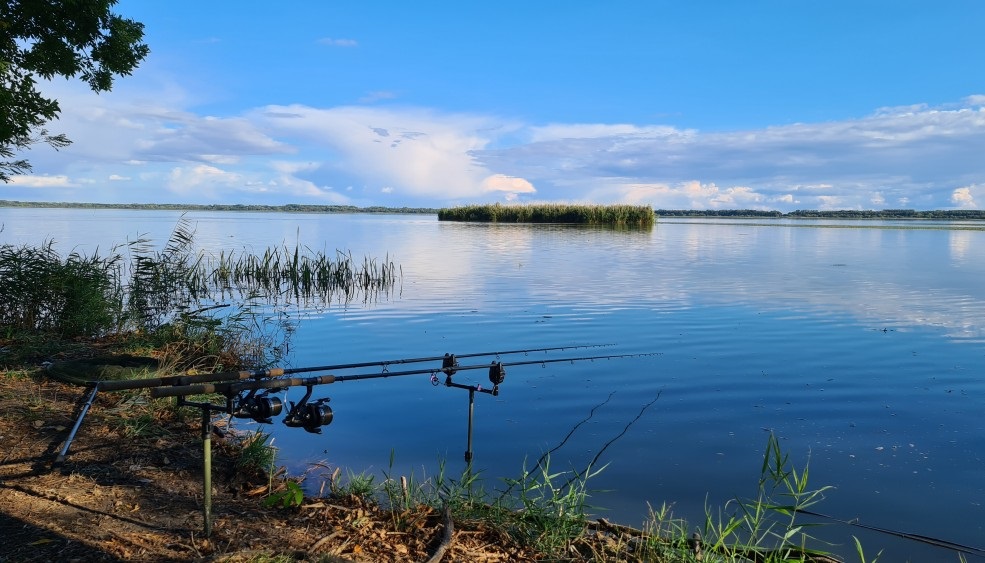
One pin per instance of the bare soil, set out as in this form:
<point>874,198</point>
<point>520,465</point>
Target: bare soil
<point>137,496</point>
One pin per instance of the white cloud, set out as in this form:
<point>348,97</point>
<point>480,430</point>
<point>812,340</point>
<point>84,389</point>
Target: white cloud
<point>510,185</point>
<point>975,100</point>
<point>904,156</point>
<point>417,153</point>
<point>29,181</point>
<point>963,197</point>
<point>219,158</point>
<point>687,195</point>
<point>555,132</point>
<point>287,167</point>
<point>118,178</point>
<point>201,181</point>
<point>336,42</point>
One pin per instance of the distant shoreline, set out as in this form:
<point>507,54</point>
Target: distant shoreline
<point>941,214</point>
<point>287,208</point>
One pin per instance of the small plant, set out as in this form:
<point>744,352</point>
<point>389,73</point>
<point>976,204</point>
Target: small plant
<point>137,425</point>
<point>356,484</point>
<point>768,525</point>
<point>291,497</point>
<point>257,454</point>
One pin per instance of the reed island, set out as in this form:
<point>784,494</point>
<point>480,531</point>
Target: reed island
<point>596,215</point>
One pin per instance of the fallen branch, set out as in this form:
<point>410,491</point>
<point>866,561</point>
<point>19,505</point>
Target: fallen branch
<point>445,538</point>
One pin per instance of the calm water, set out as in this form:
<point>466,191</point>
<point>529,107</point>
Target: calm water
<point>860,345</point>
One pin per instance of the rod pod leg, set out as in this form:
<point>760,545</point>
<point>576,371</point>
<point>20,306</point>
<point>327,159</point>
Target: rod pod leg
<point>207,470</point>
<point>468,447</point>
<point>78,423</point>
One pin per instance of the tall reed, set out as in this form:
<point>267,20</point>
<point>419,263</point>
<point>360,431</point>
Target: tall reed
<point>177,295</point>
<point>42,292</point>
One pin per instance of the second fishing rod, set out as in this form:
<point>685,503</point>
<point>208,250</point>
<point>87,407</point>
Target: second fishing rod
<point>449,367</point>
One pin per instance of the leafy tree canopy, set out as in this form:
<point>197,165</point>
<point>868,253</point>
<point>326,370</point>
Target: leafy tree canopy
<point>48,38</point>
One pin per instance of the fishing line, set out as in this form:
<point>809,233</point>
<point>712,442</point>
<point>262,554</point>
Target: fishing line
<point>546,454</point>
<point>953,546</point>
<point>610,442</point>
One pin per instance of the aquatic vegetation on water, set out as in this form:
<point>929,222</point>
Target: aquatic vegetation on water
<point>614,215</point>
<point>179,300</point>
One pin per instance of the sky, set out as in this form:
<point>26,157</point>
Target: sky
<point>773,105</point>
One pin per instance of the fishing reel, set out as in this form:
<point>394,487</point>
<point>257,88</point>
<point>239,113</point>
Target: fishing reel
<point>258,407</point>
<point>310,416</point>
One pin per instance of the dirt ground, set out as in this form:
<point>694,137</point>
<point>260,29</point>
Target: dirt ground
<point>123,498</point>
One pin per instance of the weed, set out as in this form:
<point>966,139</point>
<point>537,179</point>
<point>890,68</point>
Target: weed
<point>257,454</point>
<point>356,484</point>
<point>137,425</point>
<point>291,497</point>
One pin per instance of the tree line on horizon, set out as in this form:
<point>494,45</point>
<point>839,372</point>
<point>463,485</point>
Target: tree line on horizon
<point>287,208</point>
<point>829,214</point>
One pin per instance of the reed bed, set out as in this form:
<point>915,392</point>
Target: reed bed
<point>45,293</point>
<point>138,288</point>
<point>601,215</point>
<point>303,276</point>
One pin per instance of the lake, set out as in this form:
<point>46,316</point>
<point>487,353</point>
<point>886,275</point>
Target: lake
<point>860,345</point>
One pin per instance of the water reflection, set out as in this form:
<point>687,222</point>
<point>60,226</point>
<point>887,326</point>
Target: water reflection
<point>960,243</point>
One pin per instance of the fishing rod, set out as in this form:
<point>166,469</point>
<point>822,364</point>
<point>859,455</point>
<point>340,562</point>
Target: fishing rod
<point>449,367</point>
<point>277,371</point>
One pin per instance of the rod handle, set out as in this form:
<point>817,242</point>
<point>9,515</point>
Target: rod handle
<point>120,385</point>
<point>207,388</point>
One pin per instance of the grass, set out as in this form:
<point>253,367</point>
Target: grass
<point>638,216</point>
<point>549,512</point>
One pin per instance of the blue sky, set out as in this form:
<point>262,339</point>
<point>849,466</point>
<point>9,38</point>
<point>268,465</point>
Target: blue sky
<point>702,105</point>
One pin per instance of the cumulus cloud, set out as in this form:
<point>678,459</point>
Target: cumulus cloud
<point>510,186</point>
<point>963,197</point>
<point>415,152</point>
